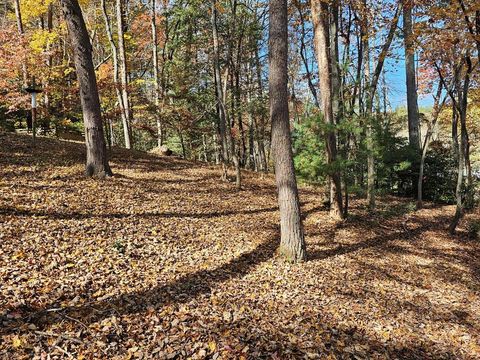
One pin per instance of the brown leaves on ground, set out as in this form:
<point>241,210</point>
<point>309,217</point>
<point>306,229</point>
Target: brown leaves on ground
<point>164,261</point>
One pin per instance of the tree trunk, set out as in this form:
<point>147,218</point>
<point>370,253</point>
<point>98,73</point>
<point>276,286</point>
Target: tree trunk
<point>261,132</point>
<point>123,73</point>
<point>304,55</point>
<point>46,95</point>
<point>462,106</point>
<point>222,118</point>
<point>368,119</point>
<point>97,163</point>
<point>116,81</point>
<point>156,76</point>
<point>371,88</point>
<point>320,20</point>
<point>437,107</point>
<point>292,244</point>
<point>21,31</point>
<point>18,15</point>
<point>412,104</point>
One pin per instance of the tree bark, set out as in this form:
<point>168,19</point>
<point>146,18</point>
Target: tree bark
<point>261,135</point>
<point>371,83</point>
<point>156,75</point>
<point>97,163</point>
<point>18,15</point>
<point>437,108</point>
<point>123,73</point>
<point>292,243</point>
<point>113,46</point>
<point>462,106</point>
<point>412,103</point>
<point>368,114</point>
<point>21,31</point>
<point>320,12</point>
<point>222,118</point>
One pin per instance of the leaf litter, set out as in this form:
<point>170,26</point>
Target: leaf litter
<point>164,261</point>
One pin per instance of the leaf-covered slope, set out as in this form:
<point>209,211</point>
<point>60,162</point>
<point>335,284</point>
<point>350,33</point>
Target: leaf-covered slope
<point>165,261</point>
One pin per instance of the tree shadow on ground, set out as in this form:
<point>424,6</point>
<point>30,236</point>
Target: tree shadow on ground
<point>355,343</point>
<point>180,291</point>
<point>74,215</point>
<point>379,240</point>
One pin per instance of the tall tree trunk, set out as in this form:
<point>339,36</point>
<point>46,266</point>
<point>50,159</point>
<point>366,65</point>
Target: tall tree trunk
<point>21,31</point>
<point>116,81</point>
<point>252,124</point>
<point>292,244</point>
<point>18,15</point>
<point>46,95</point>
<point>97,163</point>
<point>368,115</point>
<point>123,73</point>
<point>304,54</point>
<point>320,12</point>
<point>437,108</point>
<point>412,103</point>
<point>462,106</point>
<point>261,133</point>
<point>371,88</point>
<point>156,75</point>
<point>235,148</point>
<point>222,114</point>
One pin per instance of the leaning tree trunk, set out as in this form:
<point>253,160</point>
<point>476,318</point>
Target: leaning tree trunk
<point>97,163</point>
<point>292,245</point>
<point>321,39</point>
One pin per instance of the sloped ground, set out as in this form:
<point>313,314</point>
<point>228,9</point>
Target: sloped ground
<point>164,261</point>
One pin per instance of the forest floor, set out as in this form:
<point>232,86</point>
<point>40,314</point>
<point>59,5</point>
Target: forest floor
<point>164,261</point>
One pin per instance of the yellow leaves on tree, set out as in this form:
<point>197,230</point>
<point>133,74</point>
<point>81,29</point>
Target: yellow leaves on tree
<point>33,9</point>
<point>42,40</point>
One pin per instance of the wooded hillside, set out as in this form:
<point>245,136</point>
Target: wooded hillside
<point>163,261</point>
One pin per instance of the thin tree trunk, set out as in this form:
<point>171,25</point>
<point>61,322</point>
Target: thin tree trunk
<point>46,96</point>
<point>123,73</point>
<point>303,55</point>
<point>222,117</point>
<point>292,244</point>
<point>462,107</point>
<point>116,81</point>
<point>18,15</point>
<point>235,148</point>
<point>156,76</point>
<point>97,163</point>
<point>371,88</point>
<point>21,31</point>
<point>320,20</point>
<point>437,107</point>
<point>261,135</point>
<point>368,116</point>
<point>252,124</point>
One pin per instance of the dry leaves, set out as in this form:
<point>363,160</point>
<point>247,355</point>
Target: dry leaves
<point>166,262</point>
